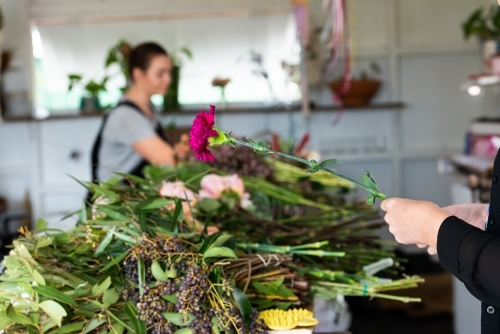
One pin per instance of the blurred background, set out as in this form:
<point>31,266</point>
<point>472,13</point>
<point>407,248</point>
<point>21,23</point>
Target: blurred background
<point>421,113</point>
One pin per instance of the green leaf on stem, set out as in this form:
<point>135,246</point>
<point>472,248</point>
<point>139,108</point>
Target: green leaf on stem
<point>54,310</point>
<point>219,252</point>
<point>244,305</point>
<point>53,293</point>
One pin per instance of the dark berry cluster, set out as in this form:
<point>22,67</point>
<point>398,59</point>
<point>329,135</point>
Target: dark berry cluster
<point>190,285</point>
<point>192,290</point>
<point>242,161</point>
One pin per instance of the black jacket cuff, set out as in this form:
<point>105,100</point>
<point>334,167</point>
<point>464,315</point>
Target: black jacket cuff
<point>450,236</point>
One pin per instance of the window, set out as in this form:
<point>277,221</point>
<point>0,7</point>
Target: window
<point>221,47</point>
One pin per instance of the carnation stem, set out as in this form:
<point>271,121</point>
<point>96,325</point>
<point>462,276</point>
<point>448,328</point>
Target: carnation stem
<point>311,164</point>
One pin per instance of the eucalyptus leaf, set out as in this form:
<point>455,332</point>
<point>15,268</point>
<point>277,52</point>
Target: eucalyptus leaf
<point>48,325</point>
<point>244,306</point>
<point>53,293</point>
<point>43,241</point>
<point>152,203</point>
<point>117,328</point>
<point>17,316</point>
<point>179,319</point>
<point>219,252</point>
<point>114,262</point>
<point>110,297</point>
<point>99,289</point>
<point>5,321</point>
<point>119,322</point>
<point>142,275</point>
<point>184,331</point>
<point>216,326</point>
<point>170,298</point>
<point>125,237</point>
<point>54,310</point>
<point>113,214</point>
<point>208,241</point>
<point>41,224</point>
<point>94,323</point>
<point>139,326</point>
<point>69,328</point>
<point>158,272</point>
<point>38,277</point>
<point>221,240</point>
<point>105,241</point>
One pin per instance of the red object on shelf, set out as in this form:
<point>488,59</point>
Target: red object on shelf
<point>275,142</point>
<point>303,142</point>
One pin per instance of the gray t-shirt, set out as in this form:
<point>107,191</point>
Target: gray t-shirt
<point>124,127</point>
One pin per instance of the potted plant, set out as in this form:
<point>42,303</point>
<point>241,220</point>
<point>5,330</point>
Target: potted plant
<point>89,102</point>
<point>485,26</point>
<point>120,54</point>
<point>361,90</point>
<point>171,100</point>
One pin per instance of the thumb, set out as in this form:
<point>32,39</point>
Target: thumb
<point>383,204</point>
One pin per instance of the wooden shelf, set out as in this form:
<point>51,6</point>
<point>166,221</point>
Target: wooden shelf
<point>235,111</point>
<point>254,110</point>
<point>50,118</point>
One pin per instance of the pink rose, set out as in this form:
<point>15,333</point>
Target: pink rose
<point>179,190</point>
<point>213,186</point>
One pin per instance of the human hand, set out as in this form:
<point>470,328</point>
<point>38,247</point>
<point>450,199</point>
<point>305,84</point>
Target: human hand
<point>414,222</point>
<point>471,213</point>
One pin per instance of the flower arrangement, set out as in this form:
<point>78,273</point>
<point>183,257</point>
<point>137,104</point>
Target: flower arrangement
<point>204,134</point>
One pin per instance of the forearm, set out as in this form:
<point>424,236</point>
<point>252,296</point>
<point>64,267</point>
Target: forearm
<point>471,255</point>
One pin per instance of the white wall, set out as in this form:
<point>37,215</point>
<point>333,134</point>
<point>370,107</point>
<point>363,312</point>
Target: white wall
<point>17,79</point>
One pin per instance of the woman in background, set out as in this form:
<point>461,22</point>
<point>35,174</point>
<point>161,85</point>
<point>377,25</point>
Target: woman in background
<point>131,136</point>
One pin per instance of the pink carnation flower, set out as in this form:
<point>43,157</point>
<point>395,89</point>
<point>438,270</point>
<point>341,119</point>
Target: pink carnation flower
<point>201,131</point>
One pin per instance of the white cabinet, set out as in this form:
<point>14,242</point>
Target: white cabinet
<point>65,150</point>
<point>62,150</point>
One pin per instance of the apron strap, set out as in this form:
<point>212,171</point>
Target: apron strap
<point>98,142</point>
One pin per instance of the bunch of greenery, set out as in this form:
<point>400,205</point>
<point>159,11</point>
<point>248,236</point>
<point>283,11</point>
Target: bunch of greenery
<point>135,264</point>
<point>483,24</point>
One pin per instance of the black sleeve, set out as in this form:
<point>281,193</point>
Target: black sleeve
<point>473,256</point>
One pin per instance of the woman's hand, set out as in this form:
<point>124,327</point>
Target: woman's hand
<point>414,222</point>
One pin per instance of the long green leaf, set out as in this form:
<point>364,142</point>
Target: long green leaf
<point>94,323</point>
<point>53,293</point>
<point>70,328</point>
<point>114,262</point>
<point>113,214</point>
<point>54,310</point>
<point>142,275</point>
<point>179,319</point>
<point>105,242</point>
<point>139,326</point>
<point>221,240</point>
<point>17,316</point>
<point>120,321</point>
<point>244,305</point>
<point>110,297</point>
<point>152,203</point>
<point>219,252</point>
<point>99,289</point>
<point>5,321</point>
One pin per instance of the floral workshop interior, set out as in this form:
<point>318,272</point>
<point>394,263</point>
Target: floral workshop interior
<point>234,166</point>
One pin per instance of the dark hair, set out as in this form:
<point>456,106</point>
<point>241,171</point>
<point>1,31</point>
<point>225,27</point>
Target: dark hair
<point>141,55</point>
